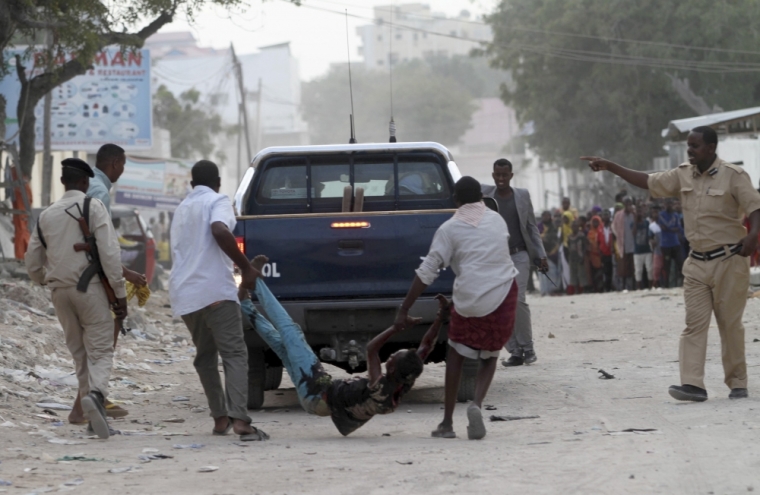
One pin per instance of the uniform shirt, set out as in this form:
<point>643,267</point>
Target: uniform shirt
<point>201,274</point>
<point>480,259</point>
<point>100,188</point>
<point>59,265</point>
<point>713,202</point>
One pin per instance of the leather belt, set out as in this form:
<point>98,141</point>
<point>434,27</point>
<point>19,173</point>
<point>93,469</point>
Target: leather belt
<point>515,250</point>
<point>715,253</point>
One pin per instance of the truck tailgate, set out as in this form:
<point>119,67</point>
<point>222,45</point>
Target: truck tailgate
<point>313,258</point>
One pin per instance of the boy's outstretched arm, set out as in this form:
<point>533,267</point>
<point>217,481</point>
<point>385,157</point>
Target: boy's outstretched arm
<point>428,341</point>
<point>374,366</point>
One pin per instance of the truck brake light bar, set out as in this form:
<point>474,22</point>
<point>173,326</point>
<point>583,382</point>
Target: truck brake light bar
<point>350,225</point>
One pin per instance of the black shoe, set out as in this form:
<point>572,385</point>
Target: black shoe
<point>95,410</point>
<point>738,393</point>
<point>530,357</point>
<point>688,392</point>
<point>513,361</point>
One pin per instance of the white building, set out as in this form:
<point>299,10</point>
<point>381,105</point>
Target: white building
<point>180,64</point>
<point>413,26</point>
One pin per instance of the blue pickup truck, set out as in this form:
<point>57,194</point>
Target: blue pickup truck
<point>344,227</point>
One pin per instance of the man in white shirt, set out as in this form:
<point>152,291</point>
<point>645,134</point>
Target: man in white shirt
<point>475,244</point>
<point>202,291</point>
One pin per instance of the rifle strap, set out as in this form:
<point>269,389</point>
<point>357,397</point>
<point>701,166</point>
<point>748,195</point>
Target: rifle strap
<point>39,234</point>
<point>86,210</point>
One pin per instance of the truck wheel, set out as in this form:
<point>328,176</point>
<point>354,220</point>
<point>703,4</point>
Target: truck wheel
<point>274,377</point>
<point>256,377</point>
<point>467,381</point>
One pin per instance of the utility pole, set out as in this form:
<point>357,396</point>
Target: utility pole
<point>258,117</point>
<point>47,158</point>
<point>243,109</point>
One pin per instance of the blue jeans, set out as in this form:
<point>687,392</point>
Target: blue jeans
<point>286,339</point>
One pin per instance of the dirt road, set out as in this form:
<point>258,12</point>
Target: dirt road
<point>578,444</point>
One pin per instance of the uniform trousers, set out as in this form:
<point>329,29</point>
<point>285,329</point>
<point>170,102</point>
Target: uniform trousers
<point>715,287</point>
<point>88,330</point>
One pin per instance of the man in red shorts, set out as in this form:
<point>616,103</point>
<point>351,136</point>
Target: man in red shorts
<point>475,243</point>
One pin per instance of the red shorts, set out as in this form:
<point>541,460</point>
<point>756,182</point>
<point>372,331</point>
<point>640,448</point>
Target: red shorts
<point>486,333</point>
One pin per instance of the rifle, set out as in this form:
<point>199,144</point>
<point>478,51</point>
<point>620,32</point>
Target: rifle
<point>90,248</point>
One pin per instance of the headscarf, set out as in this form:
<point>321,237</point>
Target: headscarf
<point>596,241</point>
<point>567,228</point>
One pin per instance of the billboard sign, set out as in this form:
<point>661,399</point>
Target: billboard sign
<point>111,103</point>
<point>149,183</point>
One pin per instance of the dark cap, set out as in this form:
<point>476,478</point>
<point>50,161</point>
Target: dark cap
<point>78,164</point>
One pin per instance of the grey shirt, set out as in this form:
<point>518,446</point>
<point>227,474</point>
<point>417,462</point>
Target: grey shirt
<point>508,211</point>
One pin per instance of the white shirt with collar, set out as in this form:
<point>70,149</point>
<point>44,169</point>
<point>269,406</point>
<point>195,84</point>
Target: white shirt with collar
<point>201,273</point>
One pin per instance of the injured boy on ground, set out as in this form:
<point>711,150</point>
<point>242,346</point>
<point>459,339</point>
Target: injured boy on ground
<point>349,402</point>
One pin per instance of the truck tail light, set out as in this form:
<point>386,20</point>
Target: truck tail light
<point>350,225</point>
<point>241,244</point>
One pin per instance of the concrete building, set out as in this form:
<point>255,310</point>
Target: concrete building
<point>273,93</point>
<point>413,25</point>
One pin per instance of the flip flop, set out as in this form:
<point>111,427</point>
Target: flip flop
<point>96,413</point>
<point>226,429</point>
<point>438,433</point>
<point>256,436</point>
<point>477,428</point>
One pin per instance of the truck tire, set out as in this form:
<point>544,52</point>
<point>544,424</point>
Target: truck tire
<point>257,377</point>
<point>274,377</point>
<point>467,381</point>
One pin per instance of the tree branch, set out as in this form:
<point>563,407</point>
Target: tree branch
<point>20,70</point>
<point>35,24</point>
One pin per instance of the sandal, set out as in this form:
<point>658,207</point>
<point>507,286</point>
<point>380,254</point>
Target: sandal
<point>256,436</point>
<point>226,429</point>
<point>441,433</point>
<point>477,428</point>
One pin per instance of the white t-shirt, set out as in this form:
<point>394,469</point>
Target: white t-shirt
<point>479,257</point>
<point>201,274</point>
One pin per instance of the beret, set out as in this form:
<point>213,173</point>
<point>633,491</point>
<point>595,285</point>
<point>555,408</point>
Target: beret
<point>78,164</point>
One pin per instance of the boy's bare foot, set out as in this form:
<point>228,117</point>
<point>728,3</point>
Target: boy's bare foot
<point>259,261</point>
<point>222,425</point>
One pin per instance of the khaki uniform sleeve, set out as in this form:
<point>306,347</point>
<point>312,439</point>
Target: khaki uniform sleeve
<point>35,258</point>
<point>664,184</point>
<point>746,195</point>
<point>108,246</point>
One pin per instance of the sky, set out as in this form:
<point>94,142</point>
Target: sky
<point>317,38</point>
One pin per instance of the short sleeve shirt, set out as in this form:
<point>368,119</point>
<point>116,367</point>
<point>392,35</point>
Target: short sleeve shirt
<point>713,202</point>
<point>201,273</point>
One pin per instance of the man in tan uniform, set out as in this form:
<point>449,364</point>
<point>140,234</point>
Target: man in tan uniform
<point>85,316</point>
<point>714,195</point>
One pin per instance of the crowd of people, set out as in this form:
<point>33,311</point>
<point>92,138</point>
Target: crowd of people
<point>637,244</point>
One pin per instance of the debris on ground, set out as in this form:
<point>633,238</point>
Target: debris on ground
<point>605,375</point>
<point>512,418</point>
<point>207,469</point>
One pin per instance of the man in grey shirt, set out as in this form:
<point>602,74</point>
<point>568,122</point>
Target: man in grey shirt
<point>525,248</point>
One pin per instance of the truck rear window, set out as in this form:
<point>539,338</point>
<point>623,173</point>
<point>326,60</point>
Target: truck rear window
<point>317,183</point>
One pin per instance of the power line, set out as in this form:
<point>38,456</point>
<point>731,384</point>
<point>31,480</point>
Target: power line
<point>589,55</point>
<point>555,33</point>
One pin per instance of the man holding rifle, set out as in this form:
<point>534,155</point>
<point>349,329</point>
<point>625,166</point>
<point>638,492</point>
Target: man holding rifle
<point>82,266</point>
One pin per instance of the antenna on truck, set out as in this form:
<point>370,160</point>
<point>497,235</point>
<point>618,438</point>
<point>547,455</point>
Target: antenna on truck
<point>391,124</point>
<point>352,140</point>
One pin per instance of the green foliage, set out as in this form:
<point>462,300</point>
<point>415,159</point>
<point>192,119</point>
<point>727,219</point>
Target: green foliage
<point>192,126</point>
<point>432,100</point>
<point>589,91</point>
